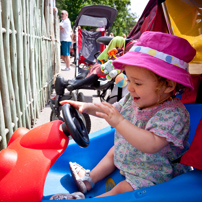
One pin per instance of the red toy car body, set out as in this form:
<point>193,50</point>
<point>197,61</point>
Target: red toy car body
<point>21,179</point>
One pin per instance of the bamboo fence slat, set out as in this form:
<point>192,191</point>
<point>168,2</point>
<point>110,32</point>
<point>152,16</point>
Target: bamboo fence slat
<point>6,24</point>
<point>4,85</point>
<point>3,141</point>
<point>13,52</point>
<point>29,62</point>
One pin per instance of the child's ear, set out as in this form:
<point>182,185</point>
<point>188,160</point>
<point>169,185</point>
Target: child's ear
<point>171,85</point>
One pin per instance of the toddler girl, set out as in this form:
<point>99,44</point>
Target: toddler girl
<point>151,124</point>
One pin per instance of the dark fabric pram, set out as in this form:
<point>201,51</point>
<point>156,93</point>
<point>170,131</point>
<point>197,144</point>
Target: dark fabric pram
<point>99,19</point>
<point>88,46</point>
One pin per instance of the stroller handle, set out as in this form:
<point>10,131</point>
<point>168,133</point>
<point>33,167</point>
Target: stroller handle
<point>106,40</point>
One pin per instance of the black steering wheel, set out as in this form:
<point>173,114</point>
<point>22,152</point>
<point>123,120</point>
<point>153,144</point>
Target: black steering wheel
<point>74,125</point>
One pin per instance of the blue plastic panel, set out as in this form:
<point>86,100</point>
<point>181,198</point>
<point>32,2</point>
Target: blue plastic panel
<point>186,187</point>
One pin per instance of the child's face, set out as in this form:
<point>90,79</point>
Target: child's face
<point>142,85</point>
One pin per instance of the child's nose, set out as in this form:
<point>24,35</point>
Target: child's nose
<point>130,87</point>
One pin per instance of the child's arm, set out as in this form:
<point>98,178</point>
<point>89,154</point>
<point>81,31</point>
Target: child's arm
<point>83,107</point>
<point>141,139</point>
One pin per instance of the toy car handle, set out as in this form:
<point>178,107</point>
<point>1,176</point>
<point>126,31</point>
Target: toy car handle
<point>74,125</point>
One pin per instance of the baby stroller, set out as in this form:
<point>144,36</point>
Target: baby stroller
<point>100,17</point>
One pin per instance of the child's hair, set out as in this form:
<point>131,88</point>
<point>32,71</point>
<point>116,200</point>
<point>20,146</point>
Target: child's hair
<point>164,82</point>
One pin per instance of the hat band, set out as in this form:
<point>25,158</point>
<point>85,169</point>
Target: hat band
<point>162,56</point>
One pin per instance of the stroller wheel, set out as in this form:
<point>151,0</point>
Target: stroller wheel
<point>81,97</point>
<point>98,93</point>
<point>53,116</point>
<point>74,96</point>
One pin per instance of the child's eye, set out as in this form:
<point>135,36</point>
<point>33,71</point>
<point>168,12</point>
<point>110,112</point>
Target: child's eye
<point>136,83</point>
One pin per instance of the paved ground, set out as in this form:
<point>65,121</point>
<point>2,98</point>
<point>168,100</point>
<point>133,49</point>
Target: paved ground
<point>90,96</point>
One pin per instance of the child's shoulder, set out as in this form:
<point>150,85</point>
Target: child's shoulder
<point>175,103</point>
<point>174,106</point>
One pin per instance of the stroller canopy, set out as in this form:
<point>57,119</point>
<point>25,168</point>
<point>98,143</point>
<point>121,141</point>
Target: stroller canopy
<point>96,16</point>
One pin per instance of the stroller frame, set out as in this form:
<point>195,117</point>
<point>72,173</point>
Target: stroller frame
<point>97,16</point>
<point>107,15</point>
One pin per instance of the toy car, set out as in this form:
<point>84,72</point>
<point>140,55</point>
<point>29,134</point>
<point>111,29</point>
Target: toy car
<point>34,166</point>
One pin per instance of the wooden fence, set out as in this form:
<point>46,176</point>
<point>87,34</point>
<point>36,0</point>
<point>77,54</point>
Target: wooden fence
<point>29,61</point>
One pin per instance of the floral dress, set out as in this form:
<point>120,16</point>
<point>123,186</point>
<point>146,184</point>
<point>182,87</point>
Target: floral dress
<point>170,120</point>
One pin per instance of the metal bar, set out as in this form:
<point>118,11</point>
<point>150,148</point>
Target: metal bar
<point>167,18</point>
<point>77,52</point>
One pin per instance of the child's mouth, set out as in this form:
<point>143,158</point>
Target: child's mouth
<point>136,98</point>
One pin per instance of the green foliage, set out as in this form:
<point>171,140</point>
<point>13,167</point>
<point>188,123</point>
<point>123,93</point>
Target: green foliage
<point>123,24</point>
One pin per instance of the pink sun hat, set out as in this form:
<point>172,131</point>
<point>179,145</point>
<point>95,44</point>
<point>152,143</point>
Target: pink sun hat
<point>164,54</point>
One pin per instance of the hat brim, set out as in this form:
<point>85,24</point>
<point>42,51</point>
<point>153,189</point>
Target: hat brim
<point>155,65</point>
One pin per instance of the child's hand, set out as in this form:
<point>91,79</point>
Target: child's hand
<point>80,106</point>
<point>109,113</point>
